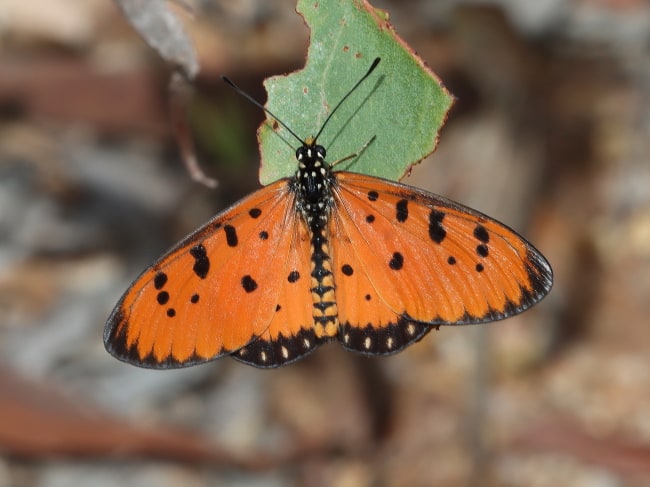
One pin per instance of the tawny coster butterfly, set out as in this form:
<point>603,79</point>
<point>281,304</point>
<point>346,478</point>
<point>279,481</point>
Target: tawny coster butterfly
<point>324,255</point>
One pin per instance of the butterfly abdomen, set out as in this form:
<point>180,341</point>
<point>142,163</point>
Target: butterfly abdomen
<point>323,293</point>
<point>314,202</point>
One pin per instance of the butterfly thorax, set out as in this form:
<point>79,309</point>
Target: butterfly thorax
<point>314,200</point>
<point>313,180</point>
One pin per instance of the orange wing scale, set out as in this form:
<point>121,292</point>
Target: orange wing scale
<point>406,260</point>
<point>218,290</point>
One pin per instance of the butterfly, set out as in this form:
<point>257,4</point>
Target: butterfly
<point>324,255</point>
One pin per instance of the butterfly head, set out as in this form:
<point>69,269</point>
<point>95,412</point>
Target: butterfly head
<point>310,155</point>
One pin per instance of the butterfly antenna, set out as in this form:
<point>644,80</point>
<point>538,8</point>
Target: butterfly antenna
<point>370,70</point>
<point>266,110</point>
<point>259,105</point>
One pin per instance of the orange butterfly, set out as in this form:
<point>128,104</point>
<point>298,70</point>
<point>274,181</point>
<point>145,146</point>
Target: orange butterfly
<point>320,256</point>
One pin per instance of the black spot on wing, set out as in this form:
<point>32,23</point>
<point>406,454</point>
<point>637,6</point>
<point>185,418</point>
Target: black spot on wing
<point>160,280</point>
<point>396,262</point>
<point>482,250</point>
<point>437,232</point>
<point>249,284</point>
<point>201,261</point>
<point>231,236</point>
<point>402,210</point>
<point>481,233</point>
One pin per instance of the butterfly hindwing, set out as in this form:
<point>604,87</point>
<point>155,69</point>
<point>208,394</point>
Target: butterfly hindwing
<point>368,322</point>
<point>217,290</point>
<point>290,334</point>
<point>406,260</point>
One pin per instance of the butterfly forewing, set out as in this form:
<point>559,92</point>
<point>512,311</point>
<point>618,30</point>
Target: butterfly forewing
<point>217,290</point>
<point>404,257</point>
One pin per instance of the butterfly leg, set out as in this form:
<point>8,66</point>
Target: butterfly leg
<point>356,154</point>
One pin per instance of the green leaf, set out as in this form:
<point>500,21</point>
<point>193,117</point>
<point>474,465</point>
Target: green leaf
<point>402,103</point>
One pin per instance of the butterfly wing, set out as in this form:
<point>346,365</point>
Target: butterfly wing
<point>406,260</point>
<point>290,334</point>
<point>223,288</point>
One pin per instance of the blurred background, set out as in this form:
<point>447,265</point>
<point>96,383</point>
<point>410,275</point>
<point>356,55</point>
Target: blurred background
<point>553,113</point>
